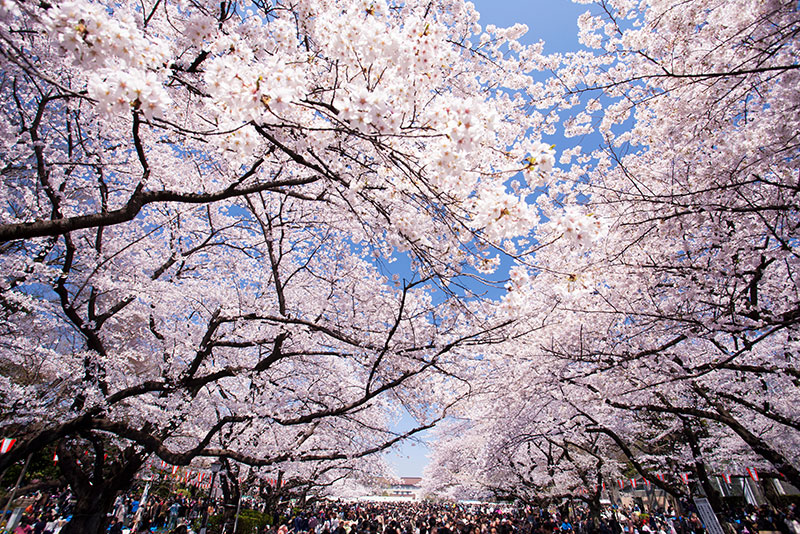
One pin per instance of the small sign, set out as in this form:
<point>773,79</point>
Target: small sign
<point>708,516</point>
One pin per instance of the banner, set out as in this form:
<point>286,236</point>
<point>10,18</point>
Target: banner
<point>6,445</point>
<point>750,471</point>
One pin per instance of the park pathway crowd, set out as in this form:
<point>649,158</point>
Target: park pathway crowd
<point>177,515</point>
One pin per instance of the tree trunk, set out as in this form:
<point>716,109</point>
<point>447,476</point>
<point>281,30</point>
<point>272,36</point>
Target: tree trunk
<point>781,462</point>
<point>230,495</point>
<point>700,468</point>
<point>90,514</point>
<point>595,508</point>
<point>96,482</point>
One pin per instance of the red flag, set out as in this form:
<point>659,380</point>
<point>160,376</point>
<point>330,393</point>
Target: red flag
<point>174,469</point>
<point>633,483</point>
<point>55,457</point>
<point>660,476</point>
<point>753,473</point>
<point>726,477</point>
<point>621,483</point>
<point>685,478</point>
<point>6,445</point>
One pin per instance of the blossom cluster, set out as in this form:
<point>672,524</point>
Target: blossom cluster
<point>125,67</point>
<point>117,91</point>
<point>264,93</point>
<point>577,227</point>
<point>539,163</point>
<point>93,37</point>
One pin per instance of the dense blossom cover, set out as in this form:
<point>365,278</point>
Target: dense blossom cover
<point>658,332</point>
<point>250,230</point>
<point>260,231</point>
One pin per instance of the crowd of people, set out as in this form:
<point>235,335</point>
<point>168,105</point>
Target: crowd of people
<point>47,514</point>
<point>429,518</point>
<point>175,514</point>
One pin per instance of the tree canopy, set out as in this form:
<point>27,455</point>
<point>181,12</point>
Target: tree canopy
<point>258,231</point>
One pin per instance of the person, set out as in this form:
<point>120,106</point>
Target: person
<point>142,528</point>
<point>60,523</point>
<point>52,525</point>
<point>174,510</point>
<point>24,527</point>
<point>120,508</point>
<point>115,527</point>
<point>139,521</point>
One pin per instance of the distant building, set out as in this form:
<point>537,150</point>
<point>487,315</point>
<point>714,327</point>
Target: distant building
<point>408,488</point>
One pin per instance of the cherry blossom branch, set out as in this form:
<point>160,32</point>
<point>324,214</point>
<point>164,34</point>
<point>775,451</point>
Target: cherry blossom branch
<point>631,457</point>
<point>155,444</point>
<point>139,199</point>
<point>666,74</point>
<point>722,415</point>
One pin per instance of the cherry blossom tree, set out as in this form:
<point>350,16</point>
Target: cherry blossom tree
<point>252,230</point>
<point>204,208</point>
<point>669,291</point>
<point>520,438</point>
<point>243,367</point>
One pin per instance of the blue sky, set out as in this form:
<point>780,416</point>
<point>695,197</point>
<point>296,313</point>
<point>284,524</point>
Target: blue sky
<point>553,22</point>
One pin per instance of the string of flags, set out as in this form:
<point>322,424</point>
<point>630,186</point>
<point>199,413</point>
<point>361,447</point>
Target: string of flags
<point>633,483</point>
<point>198,478</point>
<point>193,477</point>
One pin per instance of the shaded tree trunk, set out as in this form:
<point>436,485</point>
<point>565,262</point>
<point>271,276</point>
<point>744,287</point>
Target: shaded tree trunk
<point>90,514</point>
<point>700,468</point>
<point>230,494</point>
<point>272,496</point>
<point>95,482</point>
<point>595,508</point>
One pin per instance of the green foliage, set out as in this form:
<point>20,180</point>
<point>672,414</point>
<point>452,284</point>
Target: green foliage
<point>778,499</point>
<point>41,467</point>
<point>162,489</point>
<point>252,521</point>
<point>215,524</point>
